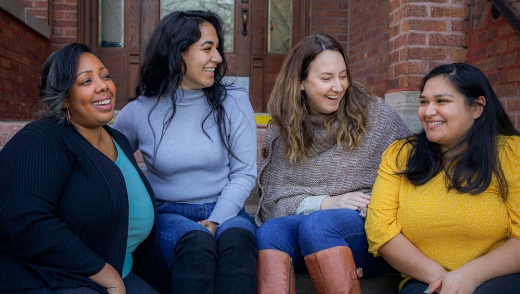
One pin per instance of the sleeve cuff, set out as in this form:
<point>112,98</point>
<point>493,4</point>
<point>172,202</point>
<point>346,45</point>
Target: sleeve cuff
<point>310,204</point>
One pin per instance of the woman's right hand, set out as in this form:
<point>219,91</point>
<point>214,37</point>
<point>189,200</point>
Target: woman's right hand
<point>110,279</point>
<point>352,200</point>
<point>454,282</point>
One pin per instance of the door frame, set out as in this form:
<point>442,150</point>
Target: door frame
<point>264,66</point>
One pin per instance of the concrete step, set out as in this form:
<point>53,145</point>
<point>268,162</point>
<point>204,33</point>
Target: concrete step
<point>384,285</point>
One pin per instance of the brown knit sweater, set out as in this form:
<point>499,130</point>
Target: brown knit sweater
<point>329,170</point>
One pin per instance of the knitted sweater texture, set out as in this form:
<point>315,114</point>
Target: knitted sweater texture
<point>329,170</point>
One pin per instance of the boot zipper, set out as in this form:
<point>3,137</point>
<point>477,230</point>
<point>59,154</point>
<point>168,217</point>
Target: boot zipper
<point>290,276</point>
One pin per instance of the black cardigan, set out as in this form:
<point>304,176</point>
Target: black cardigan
<point>64,212</point>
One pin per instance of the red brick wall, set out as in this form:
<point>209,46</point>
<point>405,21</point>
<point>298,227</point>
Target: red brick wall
<point>369,43</point>
<point>22,54</point>
<point>330,17</point>
<point>494,47</point>
<point>366,42</point>
<point>424,34</point>
<point>64,23</point>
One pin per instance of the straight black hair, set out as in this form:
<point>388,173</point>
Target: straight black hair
<point>471,170</point>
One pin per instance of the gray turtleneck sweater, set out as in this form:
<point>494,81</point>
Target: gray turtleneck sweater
<point>191,167</point>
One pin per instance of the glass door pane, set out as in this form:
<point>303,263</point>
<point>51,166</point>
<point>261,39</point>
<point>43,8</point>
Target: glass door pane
<point>223,8</point>
<point>279,29</point>
<point>111,23</point>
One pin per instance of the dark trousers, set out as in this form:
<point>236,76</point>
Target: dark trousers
<point>508,284</point>
<point>203,265</point>
<point>133,285</point>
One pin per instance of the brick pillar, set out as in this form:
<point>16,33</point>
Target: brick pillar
<point>422,36</point>
<point>64,23</point>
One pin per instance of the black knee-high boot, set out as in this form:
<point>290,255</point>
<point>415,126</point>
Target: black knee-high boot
<point>194,265</point>
<point>236,266</point>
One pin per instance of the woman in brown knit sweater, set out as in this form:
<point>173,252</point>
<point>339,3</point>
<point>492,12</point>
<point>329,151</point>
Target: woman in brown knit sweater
<point>319,162</point>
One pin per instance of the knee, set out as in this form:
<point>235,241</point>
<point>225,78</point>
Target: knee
<point>237,245</point>
<point>333,222</point>
<point>270,234</point>
<point>237,239</point>
<point>196,243</point>
<point>240,221</point>
<point>316,225</point>
<point>320,229</point>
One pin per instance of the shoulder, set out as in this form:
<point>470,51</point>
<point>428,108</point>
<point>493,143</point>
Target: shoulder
<point>48,129</point>
<point>137,103</point>
<point>38,139</point>
<point>272,132</point>
<point>45,124</point>
<point>398,151</point>
<point>237,103</point>
<point>133,111</point>
<point>236,96</point>
<point>384,119</point>
<point>402,145</point>
<point>509,146</point>
<point>378,107</point>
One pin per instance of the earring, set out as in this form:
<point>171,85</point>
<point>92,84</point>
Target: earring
<point>67,116</point>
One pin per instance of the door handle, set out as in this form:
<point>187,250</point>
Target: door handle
<point>244,21</point>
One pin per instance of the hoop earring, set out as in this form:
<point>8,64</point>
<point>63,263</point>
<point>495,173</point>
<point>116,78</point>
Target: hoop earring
<point>67,116</point>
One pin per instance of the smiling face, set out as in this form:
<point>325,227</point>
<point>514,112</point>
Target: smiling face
<point>444,114</point>
<point>201,60</point>
<point>92,97</point>
<point>326,82</point>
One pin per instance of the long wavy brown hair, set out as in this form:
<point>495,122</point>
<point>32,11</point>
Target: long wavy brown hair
<point>288,106</point>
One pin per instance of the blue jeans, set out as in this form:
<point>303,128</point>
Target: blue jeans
<point>177,219</point>
<point>301,235</point>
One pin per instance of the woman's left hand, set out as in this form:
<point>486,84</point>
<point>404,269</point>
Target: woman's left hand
<point>454,282</point>
<point>351,200</point>
<point>211,226</point>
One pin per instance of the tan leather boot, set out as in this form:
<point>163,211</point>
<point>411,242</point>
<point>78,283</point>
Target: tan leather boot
<point>275,272</point>
<point>333,271</point>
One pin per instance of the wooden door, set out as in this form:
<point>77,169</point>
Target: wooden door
<point>265,66</point>
<point>121,57</point>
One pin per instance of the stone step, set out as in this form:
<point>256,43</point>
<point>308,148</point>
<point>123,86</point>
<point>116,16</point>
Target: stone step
<point>384,285</point>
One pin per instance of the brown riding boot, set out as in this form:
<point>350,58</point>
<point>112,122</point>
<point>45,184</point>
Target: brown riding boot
<point>333,271</point>
<point>275,272</point>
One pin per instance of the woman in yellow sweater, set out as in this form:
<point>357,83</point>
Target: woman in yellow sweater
<point>445,208</point>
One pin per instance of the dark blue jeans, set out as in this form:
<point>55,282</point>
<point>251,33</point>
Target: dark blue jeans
<point>301,235</point>
<point>177,219</point>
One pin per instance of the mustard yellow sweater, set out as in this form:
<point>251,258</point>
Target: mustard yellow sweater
<point>447,226</point>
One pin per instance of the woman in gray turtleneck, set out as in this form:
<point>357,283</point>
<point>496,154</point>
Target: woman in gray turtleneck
<point>198,140</point>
